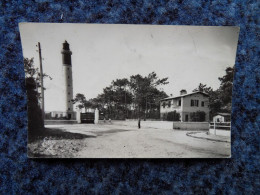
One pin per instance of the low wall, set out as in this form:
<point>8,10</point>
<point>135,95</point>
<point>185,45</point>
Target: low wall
<point>147,124</point>
<point>220,132</point>
<point>59,122</point>
<point>166,124</point>
<point>191,125</point>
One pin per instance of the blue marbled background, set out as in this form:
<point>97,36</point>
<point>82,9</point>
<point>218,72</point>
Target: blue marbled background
<point>238,175</point>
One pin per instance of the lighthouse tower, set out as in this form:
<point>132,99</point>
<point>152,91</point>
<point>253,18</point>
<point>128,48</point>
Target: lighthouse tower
<point>68,82</point>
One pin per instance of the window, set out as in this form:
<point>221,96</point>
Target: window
<point>68,77</point>
<point>68,108</point>
<point>68,93</point>
<point>163,105</point>
<point>169,104</point>
<point>179,103</point>
<point>202,104</point>
<point>194,103</point>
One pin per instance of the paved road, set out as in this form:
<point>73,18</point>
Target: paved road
<point>120,141</point>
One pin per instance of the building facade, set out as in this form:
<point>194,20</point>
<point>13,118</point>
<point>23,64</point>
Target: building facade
<point>187,105</point>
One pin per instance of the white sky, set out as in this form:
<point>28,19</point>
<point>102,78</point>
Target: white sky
<point>188,55</point>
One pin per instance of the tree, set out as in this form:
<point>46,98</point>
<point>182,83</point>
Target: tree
<point>152,103</point>
<point>122,95</point>
<point>35,119</point>
<point>131,98</point>
<point>203,88</point>
<point>143,89</point>
<point>220,99</point>
<point>32,83</point>
<point>29,68</point>
<point>214,99</point>
<point>33,72</point>
<point>81,101</point>
<point>226,89</point>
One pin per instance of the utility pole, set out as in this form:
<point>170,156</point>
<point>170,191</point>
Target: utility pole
<point>41,78</point>
<point>125,103</point>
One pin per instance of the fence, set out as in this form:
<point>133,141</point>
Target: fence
<point>225,126</point>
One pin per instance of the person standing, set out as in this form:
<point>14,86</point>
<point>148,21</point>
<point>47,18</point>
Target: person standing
<point>139,123</point>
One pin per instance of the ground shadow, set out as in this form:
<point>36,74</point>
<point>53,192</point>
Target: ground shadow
<point>53,133</point>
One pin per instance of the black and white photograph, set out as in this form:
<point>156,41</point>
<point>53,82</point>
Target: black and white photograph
<point>128,91</point>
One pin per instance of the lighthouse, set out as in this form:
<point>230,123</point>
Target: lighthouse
<point>68,81</point>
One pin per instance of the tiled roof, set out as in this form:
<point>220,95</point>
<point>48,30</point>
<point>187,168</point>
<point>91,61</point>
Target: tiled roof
<point>170,98</point>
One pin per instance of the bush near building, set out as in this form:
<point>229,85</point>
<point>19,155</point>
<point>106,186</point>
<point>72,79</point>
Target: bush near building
<point>171,116</point>
<point>198,116</point>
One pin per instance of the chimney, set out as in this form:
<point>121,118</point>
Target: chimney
<point>183,92</point>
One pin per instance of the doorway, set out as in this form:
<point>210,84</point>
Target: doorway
<point>186,117</point>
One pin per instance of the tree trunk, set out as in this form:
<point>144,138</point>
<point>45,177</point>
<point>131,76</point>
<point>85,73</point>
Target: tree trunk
<point>145,108</point>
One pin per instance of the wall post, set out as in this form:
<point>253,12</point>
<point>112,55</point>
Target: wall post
<point>214,127</point>
<point>78,116</point>
<point>96,116</point>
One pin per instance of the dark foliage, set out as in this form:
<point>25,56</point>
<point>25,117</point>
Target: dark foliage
<point>220,99</point>
<point>35,119</point>
<point>128,98</point>
<point>198,116</point>
<point>173,116</point>
<point>32,83</point>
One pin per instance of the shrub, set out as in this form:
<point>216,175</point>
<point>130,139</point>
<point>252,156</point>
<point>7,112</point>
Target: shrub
<point>198,116</point>
<point>35,119</point>
<point>164,116</point>
<point>173,116</point>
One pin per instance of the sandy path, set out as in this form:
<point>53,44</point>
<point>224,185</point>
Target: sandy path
<point>117,141</point>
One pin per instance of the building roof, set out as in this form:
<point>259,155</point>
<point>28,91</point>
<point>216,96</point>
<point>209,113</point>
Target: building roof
<point>188,94</point>
<point>223,114</point>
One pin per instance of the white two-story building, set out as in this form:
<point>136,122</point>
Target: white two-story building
<point>186,104</point>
